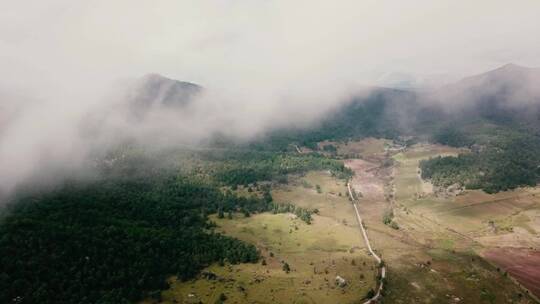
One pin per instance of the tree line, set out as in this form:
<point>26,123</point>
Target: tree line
<point>509,161</point>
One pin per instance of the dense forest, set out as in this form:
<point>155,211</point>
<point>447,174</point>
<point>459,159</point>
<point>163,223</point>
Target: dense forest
<point>246,167</point>
<point>116,238</point>
<point>510,161</point>
<point>114,241</point>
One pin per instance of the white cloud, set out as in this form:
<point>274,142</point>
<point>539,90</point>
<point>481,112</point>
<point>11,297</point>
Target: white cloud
<point>265,62</point>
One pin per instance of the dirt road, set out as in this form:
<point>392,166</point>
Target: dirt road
<point>366,240</point>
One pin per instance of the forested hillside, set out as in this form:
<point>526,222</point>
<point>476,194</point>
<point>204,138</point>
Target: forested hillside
<point>495,114</point>
<point>114,241</point>
<point>387,113</point>
<point>117,238</point>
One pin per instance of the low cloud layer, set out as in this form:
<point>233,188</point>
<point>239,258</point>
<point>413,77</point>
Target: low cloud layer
<point>263,64</point>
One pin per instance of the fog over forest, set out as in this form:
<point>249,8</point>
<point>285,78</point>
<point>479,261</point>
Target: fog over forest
<point>79,77</point>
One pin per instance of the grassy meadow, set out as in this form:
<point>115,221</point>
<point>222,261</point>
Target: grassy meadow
<point>330,246</point>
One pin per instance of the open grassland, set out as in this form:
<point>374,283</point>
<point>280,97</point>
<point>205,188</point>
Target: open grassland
<point>316,253</point>
<point>473,213</point>
<point>448,277</point>
<point>330,197</point>
<point>433,256</point>
<point>427,262</point>
<point>408,182</point>
<point>454,230</point>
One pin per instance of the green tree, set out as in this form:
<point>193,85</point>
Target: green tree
<point>286,267</point>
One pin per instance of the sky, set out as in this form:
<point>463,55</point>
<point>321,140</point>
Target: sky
<point>268,43</point>
<point>264,63</point>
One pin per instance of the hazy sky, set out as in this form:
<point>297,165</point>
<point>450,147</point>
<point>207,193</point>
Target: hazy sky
<point>265,62</point>
<point>268,43</point>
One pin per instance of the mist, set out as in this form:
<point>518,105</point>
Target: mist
<point>69,67</point>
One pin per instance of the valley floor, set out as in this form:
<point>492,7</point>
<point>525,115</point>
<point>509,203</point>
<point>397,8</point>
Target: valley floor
<point>438,248</point>
<point>317,254</point>
<point>451,234</point>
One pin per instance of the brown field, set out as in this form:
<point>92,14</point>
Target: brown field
<point>366,148</point>
<point>432,257</point>
<point>522,264</point>
<point>365,180</point>
<point>471,222</point>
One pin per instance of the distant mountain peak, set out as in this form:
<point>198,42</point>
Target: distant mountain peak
<point>157,78</point>
<point>156,91</point>
<point>510,85</point>
<point>160,90</point>
<point>512,70</point>
<point>507,74</point>
<point>511,66</point>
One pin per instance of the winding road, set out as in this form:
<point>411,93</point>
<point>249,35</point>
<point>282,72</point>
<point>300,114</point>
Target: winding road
<point>366,240</point>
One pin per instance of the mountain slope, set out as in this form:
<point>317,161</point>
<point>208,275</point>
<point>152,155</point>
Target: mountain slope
<point>156,91</point>
<point>509,94</point>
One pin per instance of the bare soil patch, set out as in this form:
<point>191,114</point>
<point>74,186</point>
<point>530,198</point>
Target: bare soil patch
<point>365,179</point>
<point>522,264</point>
